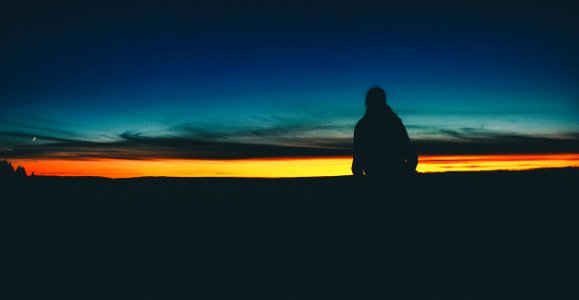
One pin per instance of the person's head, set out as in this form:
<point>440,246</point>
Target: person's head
<point>375,98</point>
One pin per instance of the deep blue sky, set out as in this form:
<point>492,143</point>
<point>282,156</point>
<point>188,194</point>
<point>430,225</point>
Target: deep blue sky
<point>105,79</point>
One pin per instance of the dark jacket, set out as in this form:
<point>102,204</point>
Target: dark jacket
<point>382,146</point>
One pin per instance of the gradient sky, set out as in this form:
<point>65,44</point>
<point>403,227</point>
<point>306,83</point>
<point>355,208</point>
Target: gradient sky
<point>222,80</point>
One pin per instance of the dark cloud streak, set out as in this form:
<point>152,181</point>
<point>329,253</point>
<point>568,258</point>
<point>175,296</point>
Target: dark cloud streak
<point>478,141</point>
<point>300,141</point>
<point>137,147</point>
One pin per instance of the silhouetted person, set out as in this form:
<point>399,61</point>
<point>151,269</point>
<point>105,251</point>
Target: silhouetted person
<point>381,143</point>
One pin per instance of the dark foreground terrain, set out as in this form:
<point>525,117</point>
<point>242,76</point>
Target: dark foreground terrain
<point>497,235</point>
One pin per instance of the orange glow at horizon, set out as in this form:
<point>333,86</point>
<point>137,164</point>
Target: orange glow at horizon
<point>285,167</point>
<point>446,163</point>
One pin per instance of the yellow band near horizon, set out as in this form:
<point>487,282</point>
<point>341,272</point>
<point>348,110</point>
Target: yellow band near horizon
<point>282,167</point>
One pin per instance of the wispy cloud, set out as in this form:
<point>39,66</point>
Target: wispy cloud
<point>189,141</point>
<point>187,144</point>
<point>482,141</point>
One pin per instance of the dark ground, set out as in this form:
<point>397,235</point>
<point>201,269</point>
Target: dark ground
<point>492,235</point>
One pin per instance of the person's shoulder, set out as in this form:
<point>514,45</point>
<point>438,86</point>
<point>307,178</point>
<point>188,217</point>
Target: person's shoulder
<point>397,118</point>
<point>360,126</point>
<point>361,123</point>
<point>393,116</point>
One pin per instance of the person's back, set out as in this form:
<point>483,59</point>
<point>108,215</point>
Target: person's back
<point>381,143</point>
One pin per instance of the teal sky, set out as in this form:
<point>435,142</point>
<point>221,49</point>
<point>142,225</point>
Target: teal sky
<point>85,80</point>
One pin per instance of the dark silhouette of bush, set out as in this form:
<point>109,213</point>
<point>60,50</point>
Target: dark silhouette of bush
<point>7,170</point>
<point>20,172</point>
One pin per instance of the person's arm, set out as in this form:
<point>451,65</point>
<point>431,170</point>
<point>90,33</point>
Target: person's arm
<point>357,161</point>
<point>408,150</point>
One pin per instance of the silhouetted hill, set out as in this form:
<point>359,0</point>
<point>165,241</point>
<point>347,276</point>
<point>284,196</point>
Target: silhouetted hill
<point>498,235</point>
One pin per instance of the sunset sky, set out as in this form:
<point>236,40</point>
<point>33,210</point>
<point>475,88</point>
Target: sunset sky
<point>228,88</point>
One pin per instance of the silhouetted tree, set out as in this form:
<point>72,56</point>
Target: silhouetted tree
<point>20,172</point>
<point>6,169</point>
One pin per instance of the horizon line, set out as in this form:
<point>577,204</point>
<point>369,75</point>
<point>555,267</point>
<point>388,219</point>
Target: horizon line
<point>296,167</point>
<point>310,177</point>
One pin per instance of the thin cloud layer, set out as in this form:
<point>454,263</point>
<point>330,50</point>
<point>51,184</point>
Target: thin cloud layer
<point>480,141</point>
<point>192,145</point>
<point>189,142</point>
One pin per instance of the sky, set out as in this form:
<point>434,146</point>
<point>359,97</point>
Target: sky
<point>253,88</point>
